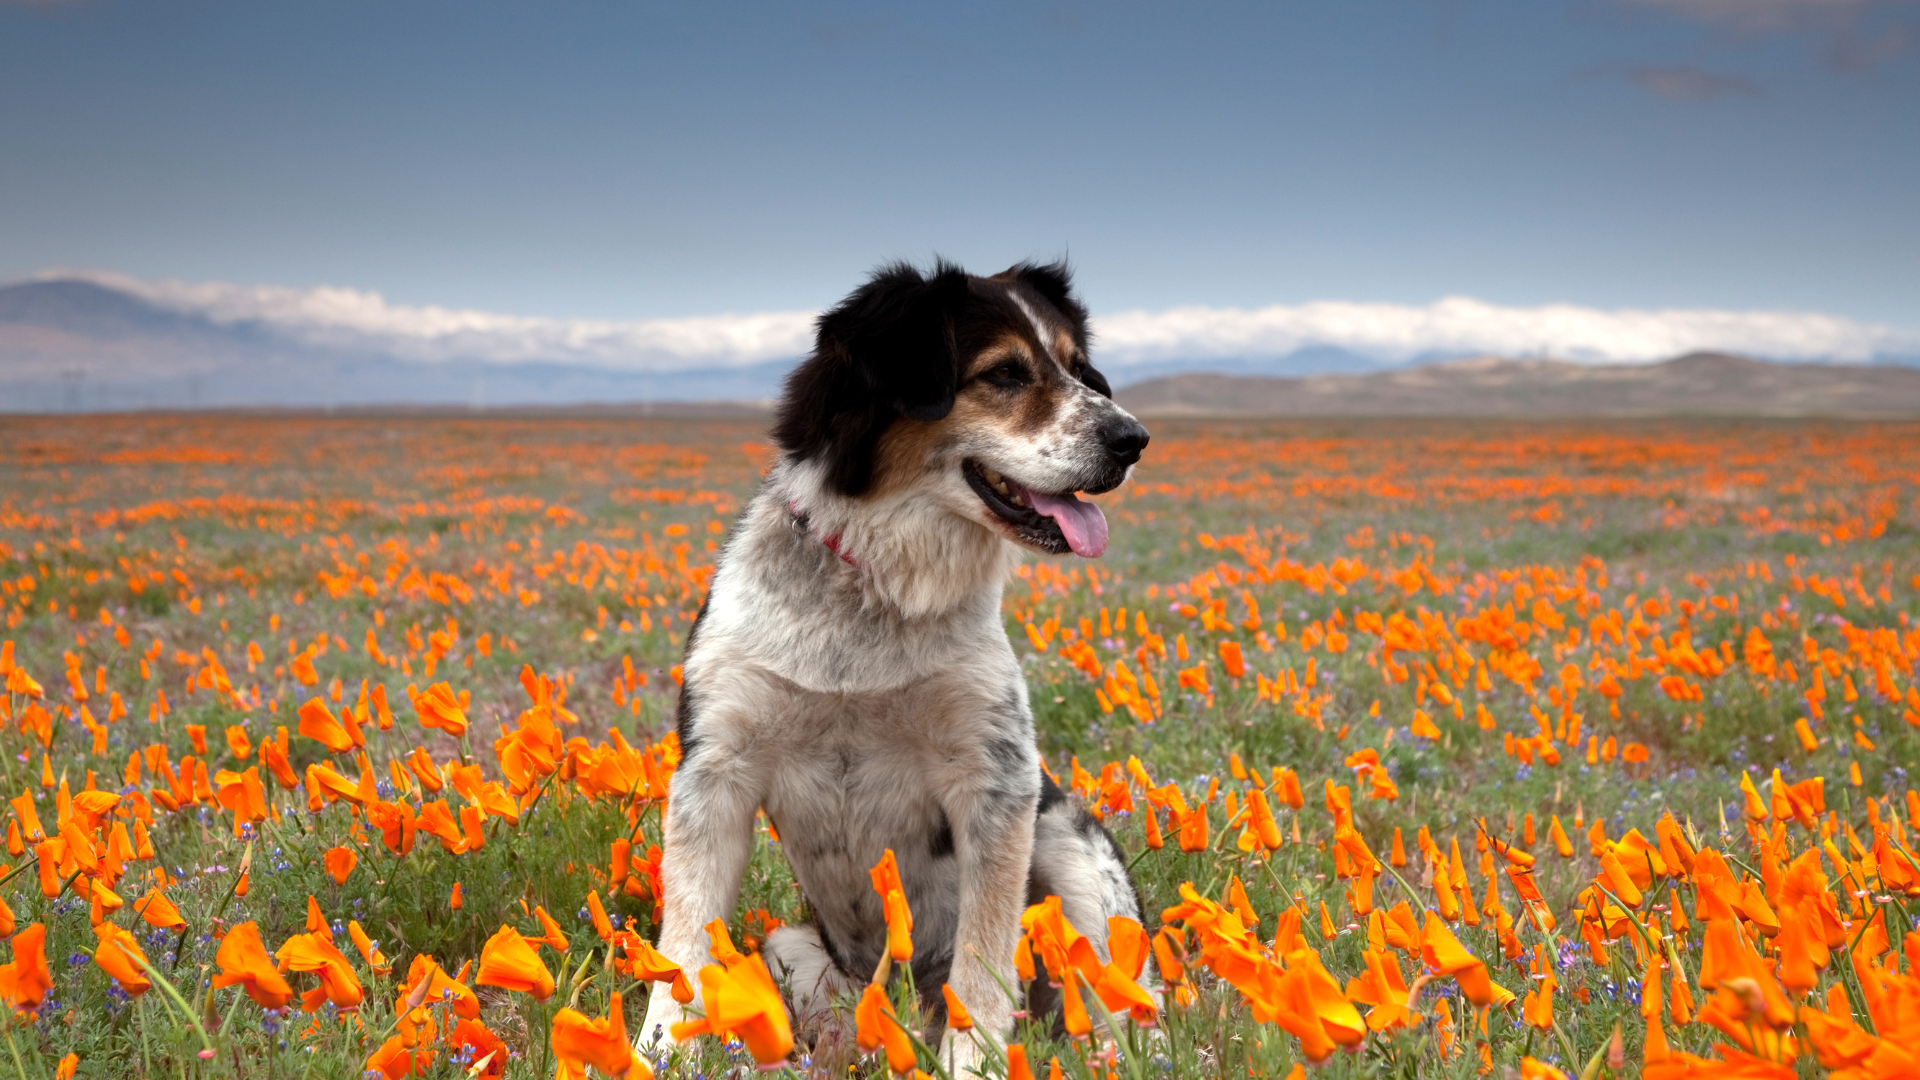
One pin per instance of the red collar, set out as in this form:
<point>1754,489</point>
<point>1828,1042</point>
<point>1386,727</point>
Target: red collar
<point>833,541</point>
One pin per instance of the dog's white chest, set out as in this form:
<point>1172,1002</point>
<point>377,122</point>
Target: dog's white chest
<point>810,629</point>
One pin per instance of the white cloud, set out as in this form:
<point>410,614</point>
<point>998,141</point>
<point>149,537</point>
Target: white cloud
<point>354,318</point>
<point>1388,333</point>
<point>1459,326</point>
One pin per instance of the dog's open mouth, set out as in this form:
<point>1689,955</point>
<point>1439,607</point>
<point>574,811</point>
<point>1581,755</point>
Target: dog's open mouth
<point>1054,523</point>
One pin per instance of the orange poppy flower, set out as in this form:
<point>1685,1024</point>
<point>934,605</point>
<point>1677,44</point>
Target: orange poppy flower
<point>579,1041</point>
<point>878,1027</point>
<point>117,955</point>
<point>340,862</point>
<point>437,707</point>
<point>1119,992</point>
<point>241,793</point>
<point>1193,827</point>
<point>1531,1069</point>
<point>958,1018</point>
<point>645,962</point>
<point>886,882</point>
<point>1073,1007</point>
<point>1169,953</point>
<point>1385,989</point>
<point>551,934</point>
<point>1233,660</point>
<point>394,1060</point>
<point>324,782</point>
<point>243,960</point>
<point>429,982</point>
<point>159,911</point>
<point>509,962</point>
<point>417,1027</point>
<point>1059,944</point>
<point>274,757</point>
<point>1726,960</point>
<point>91,807</point>
<point>317,723</point>
<point>1537,1009</point>
<point>24,981</point>
<point>423,767</point>
<point>1017,1067</point>
<point>317,919</point>
<point>1615,877</point>
<point>1310,1005</point>
<point>1446,956</point>
<point>375,959</point>
<point>621,854</point>
<point>495,800</point>
<point>396,823</point>
<point>742,1002</point>
<point>899,927</point>
<point>602,926</point>
<point>438,820</point>
<point>315,952</point>
<point>486,1053</point>
<point>473,833</point>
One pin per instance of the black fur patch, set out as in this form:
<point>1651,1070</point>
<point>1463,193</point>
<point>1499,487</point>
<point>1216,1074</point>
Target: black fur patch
<point>885,352</point>
<point>833,951</point>
<point>688,705</point>
<point>941,846</point>
<point>1050,794</point>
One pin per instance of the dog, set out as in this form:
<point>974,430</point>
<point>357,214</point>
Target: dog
<point>850,673</point>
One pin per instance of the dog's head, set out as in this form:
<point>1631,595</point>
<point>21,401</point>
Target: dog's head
<point>974,391</point>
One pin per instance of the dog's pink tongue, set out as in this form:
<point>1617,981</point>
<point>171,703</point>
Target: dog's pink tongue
<point>1084,526</point>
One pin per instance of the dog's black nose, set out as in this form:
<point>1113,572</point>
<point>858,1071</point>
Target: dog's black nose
<point>1124,438</point>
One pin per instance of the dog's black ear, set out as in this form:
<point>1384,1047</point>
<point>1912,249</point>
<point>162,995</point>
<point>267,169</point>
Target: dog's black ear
<point>885,352</point>
<point>1096,381</point>
<point>1054,282</point>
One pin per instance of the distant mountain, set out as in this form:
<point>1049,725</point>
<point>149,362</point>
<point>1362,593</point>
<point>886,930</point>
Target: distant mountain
<point>75,344</point>
<point>98,341</point>
<point>1702,384</point>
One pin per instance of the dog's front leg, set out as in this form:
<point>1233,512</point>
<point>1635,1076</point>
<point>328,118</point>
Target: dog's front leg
<point>707,843</point>
<point>995,848</point>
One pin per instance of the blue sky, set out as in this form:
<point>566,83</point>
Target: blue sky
<point>638,161</point>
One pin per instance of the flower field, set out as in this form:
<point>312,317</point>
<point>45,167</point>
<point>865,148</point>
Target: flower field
<point>337,745</point>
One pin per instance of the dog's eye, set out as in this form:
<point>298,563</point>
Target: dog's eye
<point>1008,375</point>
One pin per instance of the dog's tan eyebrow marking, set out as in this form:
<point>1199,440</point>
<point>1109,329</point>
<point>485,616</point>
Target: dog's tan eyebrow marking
<point>1039,328</point>
<point>1007,348</point>
<point>1064,347</point>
